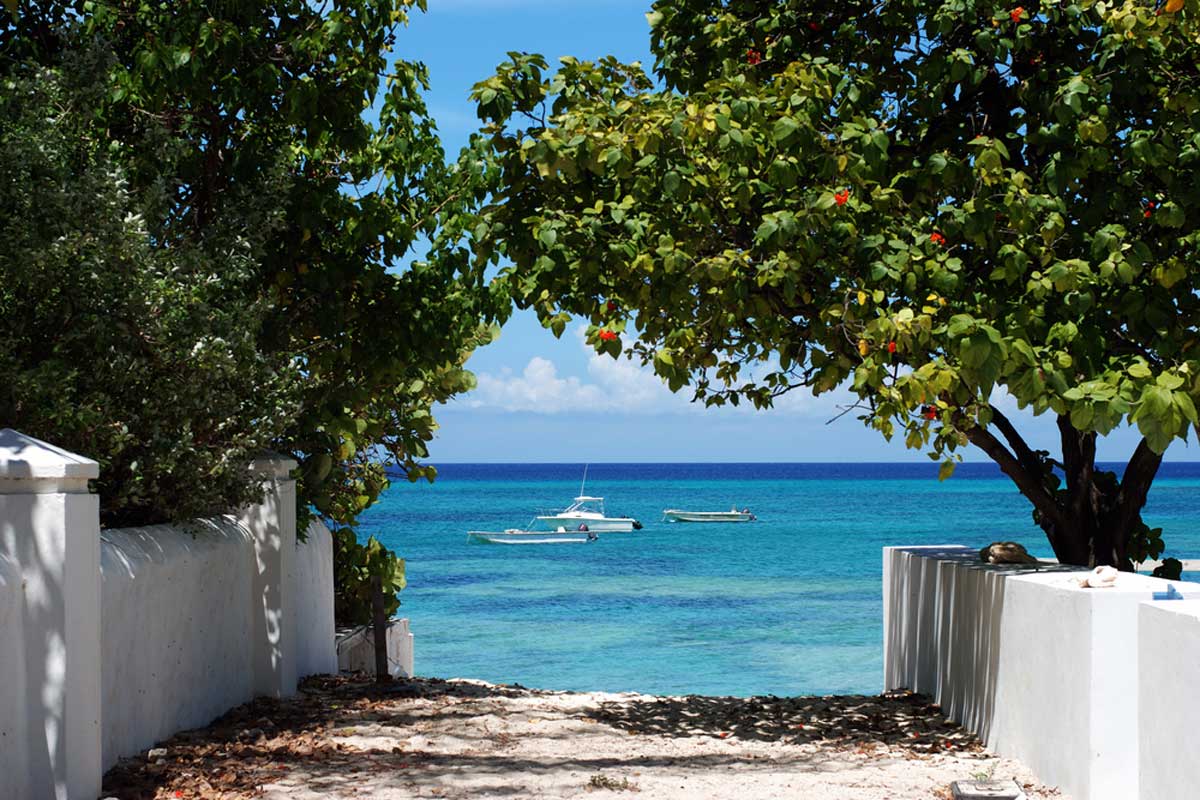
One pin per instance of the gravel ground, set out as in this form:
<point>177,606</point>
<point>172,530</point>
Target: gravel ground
<point>346,737</point>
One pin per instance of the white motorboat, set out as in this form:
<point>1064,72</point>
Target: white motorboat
<point>733,515</point>
<point>522,536</point>
<point>587,514</point>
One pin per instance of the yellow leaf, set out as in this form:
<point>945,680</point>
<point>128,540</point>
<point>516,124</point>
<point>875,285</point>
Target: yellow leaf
<point>1174,5</point>
<point>863,348</point>
<point>862,297</point>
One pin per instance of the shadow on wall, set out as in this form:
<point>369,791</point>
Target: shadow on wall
<point>34,634</point>
<point>177,629</point>
<point>945,615</point>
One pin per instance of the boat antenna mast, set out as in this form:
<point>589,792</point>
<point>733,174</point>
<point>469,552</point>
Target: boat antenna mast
<point>583,482</point>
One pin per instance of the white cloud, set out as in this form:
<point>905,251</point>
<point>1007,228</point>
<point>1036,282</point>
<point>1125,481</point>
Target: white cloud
<point>538,388</point>
<point>614,385</point>
<point>611,385</point>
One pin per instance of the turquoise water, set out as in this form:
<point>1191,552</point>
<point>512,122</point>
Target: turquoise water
<point>787,605</point>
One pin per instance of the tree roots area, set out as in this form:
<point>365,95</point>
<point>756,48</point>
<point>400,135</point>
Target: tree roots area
<point>348,737</point>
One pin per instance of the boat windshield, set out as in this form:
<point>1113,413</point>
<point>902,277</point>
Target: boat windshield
<point>588,505</point>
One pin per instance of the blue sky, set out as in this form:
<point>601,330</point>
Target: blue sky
<point>541,399</point>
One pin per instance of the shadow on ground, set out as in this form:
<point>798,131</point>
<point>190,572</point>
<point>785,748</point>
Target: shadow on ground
<point>898,718</point>
<point>270,742</point>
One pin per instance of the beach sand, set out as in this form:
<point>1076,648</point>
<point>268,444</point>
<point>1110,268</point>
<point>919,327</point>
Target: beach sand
<point>346,737</point>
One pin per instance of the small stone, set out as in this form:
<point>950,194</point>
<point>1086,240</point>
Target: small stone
<point>986,790</point>
<point>156,753</point>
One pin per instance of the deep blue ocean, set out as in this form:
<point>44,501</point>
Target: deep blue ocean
<point>786,605</point>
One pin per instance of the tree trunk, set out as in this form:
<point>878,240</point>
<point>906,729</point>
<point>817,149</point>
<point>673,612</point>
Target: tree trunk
<point>1090,516</point>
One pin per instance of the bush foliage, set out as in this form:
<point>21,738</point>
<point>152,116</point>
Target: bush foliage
<point>143,357</point>
<point>356,565</point>
<point>208,213</point>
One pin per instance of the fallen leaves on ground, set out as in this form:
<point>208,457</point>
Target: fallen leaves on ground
<point>259,743</point>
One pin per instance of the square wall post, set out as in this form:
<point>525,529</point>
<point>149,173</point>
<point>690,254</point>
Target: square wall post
<point>50,535</point>
<point>272,524</point>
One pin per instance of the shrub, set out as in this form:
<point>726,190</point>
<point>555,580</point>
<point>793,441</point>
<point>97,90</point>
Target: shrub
<point>354,567</point>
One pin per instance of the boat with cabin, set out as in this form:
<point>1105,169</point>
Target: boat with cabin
<point>587,514</point>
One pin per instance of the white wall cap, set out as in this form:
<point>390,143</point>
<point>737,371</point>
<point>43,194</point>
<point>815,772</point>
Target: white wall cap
<point>24,457</point>
<point>1184,608</point>
<point>273,465</point>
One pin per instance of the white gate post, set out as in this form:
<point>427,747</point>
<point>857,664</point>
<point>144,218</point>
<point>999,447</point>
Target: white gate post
<point>272,524</point>
<point>50,529</point>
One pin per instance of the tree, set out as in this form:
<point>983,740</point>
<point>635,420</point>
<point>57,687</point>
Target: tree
<point>301,107</point>
<point>932,202</point>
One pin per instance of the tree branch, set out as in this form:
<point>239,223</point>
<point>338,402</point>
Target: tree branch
<point>1024,453</point>
<point>1030,485</point>
<point>1135,483</point>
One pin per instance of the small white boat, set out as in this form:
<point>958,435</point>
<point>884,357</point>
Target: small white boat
<point>521,536</point>
<point>733,515</point>
<point>589,511</point>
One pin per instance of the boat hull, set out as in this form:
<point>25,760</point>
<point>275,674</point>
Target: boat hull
<point>529,537</point>
<point>594,524</point>
<point>676,515</point>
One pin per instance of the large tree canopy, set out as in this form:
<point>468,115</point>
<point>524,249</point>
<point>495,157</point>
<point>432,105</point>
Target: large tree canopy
<point>931,201</point>
<point>201,111</point>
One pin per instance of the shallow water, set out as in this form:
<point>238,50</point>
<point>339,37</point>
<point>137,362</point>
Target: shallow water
<point>786,605</point>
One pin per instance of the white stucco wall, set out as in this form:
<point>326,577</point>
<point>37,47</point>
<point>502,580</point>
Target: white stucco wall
<point>176,629</point>
<point>1042,670</point>
<point>49,539</point>
<point>14,743</point>
<point>179,613</point>
<point>111,642</point>
<point>1169,698</point>
<point>356,649</point>
<point>315,653</point>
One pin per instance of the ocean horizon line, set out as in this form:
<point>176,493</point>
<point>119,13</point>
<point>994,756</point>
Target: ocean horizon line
<point>923,462</point>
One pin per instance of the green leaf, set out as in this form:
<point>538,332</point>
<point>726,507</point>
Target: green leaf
<point>783,130</point>
<point>1139,370</point>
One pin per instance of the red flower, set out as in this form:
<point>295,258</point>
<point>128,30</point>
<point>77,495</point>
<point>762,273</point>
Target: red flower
<point>891,347</point>
<point>1146,213</point>
<point>753,56</point>
<point>1015,14</point>
<point>814,26</point>
<point>607,336</point>
<point>937,238</point>
<point>930,412</point>
<point>841,197</point>
<point>611,306</point>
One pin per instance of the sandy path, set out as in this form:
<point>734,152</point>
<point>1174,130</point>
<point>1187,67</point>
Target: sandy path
<point>344,738</point>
